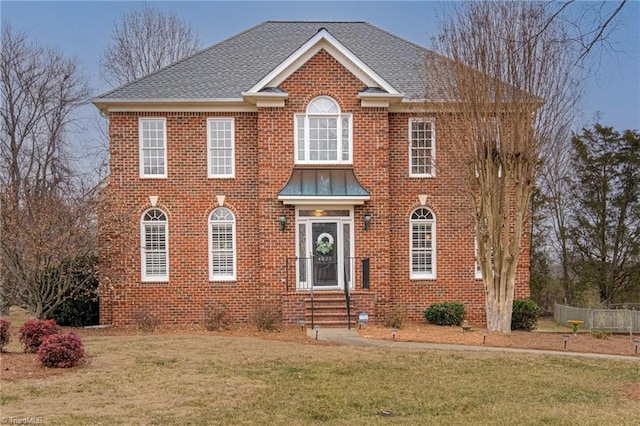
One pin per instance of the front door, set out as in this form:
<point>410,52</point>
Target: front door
<point>326,253</point>
<point>324,259</point>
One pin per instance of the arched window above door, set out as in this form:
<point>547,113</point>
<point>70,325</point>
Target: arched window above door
<point>323,134</point>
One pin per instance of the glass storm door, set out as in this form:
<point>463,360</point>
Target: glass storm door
<point>326,253</point>
<point>325,247</point>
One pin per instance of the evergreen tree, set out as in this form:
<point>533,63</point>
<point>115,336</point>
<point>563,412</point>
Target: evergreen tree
<point>605,235</point>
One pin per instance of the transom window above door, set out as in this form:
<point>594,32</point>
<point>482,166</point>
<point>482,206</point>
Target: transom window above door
<point>323,134</point>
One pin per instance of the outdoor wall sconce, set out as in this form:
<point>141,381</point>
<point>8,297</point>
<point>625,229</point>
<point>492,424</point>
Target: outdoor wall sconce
<point>367,220</point>
<point>283,221</point>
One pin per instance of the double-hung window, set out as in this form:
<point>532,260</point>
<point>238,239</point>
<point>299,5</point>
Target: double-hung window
<point>155,245</point>
<point>222,245</point>
<point>323,135</point>
<point>153,147</point>
<point>422,244</point>
<point>221,147</point>
<point>422,151</point>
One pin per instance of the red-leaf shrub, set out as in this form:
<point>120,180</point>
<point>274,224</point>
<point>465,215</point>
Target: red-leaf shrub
<point>61,350</point>
<point>32,333</point>
<point>4,333</point>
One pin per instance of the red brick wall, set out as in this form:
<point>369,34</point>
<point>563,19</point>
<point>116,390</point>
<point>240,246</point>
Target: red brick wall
<point>264,158</point>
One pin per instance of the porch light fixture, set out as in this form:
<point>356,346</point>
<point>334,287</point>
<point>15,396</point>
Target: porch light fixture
<point>367,220</point>
<point>283,221</point>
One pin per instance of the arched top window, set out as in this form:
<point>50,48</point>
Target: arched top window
<point>422,250</point>
<point>154,215</point>
<point>154,236</point>
<point>323,105</point>
<point>222,245</point>
<point>323,133</point>
<point>222,214</point>
<point>422,214</point>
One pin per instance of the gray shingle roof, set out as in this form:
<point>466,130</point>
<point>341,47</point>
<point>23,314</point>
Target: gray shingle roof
<point>226,69</point>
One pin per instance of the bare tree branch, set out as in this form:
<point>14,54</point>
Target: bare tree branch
<point>600,32</point>
<point>145,41</point>
<point>46,221</point>
<point>510,81</point>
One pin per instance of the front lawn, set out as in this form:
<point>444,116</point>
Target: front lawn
<point>210,379</point>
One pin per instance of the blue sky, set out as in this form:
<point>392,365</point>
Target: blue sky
<point>82,29</point>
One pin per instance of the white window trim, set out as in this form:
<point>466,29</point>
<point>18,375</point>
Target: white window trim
<point>433,147</point>
<point>476,266</point>
<point>233,147</point>
<point>141,149</point>
<point>233,276</point>
<point>339,116</point>
<point>143,263</point>
<point>417,275</point>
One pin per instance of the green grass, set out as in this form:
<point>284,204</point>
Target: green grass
<point>208,379</point>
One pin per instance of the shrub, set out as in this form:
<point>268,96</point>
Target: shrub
<point>392,317</point>
<point>81,307</point>
<point>601,334</point>
<point>525,314</point>
<point>146,321</point>
<point>267,318</point>
<point>445,313</point>
<point>34,331</point>
<point>61,350</point>
<point>215,318</point>
<point>4,333</point>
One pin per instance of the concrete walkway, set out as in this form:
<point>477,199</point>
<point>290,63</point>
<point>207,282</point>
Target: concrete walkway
<point>351,337</point>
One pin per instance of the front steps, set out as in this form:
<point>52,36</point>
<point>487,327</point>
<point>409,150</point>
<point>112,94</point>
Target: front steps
<point>329,310</point>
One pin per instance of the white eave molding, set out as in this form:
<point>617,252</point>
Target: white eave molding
<point>173,105</point>
<point>322,40</point>
<point>265,99</point>
<point>315,200</point>
<point>379,100</point>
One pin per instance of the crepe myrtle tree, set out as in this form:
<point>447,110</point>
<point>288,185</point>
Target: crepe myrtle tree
<point>507,72</point>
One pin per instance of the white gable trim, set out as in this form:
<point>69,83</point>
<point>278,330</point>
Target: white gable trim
<point>322,40</point>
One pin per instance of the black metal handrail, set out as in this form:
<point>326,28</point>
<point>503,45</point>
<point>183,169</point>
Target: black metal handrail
<point>347,300</point>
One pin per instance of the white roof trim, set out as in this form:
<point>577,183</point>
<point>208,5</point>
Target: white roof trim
<point>314,200</point>
<point>389,96</point>
<point>322,40</point>
<point>163,105</point>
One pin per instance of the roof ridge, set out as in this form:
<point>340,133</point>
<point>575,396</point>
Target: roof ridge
<point>276,21</point>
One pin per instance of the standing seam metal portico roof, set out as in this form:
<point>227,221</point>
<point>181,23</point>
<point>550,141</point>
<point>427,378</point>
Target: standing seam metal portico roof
<point>340,184</point>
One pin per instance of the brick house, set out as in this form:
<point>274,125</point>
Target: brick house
<point>292,162</point>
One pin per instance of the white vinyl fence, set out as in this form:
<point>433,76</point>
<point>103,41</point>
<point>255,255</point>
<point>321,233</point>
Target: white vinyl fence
<point>613,320</point>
